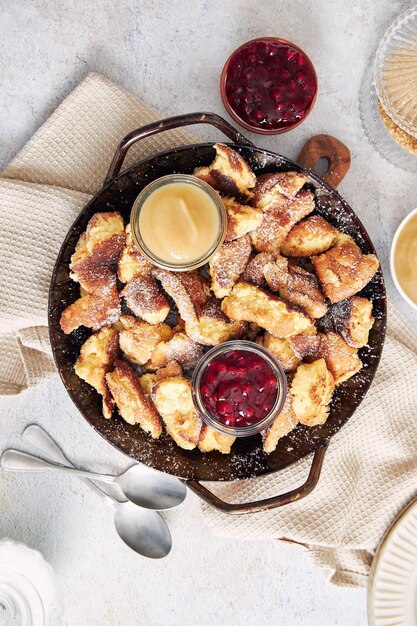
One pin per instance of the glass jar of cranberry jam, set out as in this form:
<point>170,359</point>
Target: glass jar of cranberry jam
<point>268,85</point>
<point>239,388</point>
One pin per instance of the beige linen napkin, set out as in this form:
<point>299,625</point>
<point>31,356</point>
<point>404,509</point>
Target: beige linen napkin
<point>42,191</point>
<point>370,470</point>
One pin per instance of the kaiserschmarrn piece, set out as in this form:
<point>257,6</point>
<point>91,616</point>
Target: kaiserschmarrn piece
<point>249,303</point>
<point>284,424</point>
<point>148,380</point>
<point>229,173</point>
<point>100,246</point>
<point>175,287</point>
<point>170,370</point>
<point>307,345</point>
<point>195,286</point>
<point>131,262</point>
<point>296,285</point>
<point>282,350</point>
<point>92,265</point>
<point>342,360</point>
<point>271,189</point>
<point>180,348</point>
<point>278,220</point>
<point>241,219</point>
<point>254,271</point>
<point>213,327</point>
<point>311,236</point>
<point>228,264</point>
<point>133,404</point>
<point>344,270</point>
<point>94,309</point>
<point>312,389</point>
<point>173,400</point>
<point>353,319</point>
<point>210,440</point>
<point>145,299</point>
<point>138,339</point>
<point>96,358</point>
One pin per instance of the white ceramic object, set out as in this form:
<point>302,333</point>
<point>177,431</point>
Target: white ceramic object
<point>29,594</point>
<point>392,591</point>
<point>391,260</point>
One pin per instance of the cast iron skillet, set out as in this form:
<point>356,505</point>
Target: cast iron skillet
<point>247,458</point>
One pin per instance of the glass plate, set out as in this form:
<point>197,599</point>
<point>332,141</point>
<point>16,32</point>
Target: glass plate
<point>395,71</point>
<point>375,129</point>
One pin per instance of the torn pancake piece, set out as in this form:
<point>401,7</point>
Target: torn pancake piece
<point>131,401</point>
<point>213,326</point>
<point>138,339</point>
<point>341,359</point>
<point>278,221</point>
<point>229,173</point>
<point>344,270</point>
<point>100,246</point>
<point>313,235</point>
<point>296,285</point>
<point>271,189</point>
<point>249,303</point>
<point>96,358</point>
<point>227,264</point>
<point>180,348</point>
<point>254,271</point>
<point>94,309</point>
<point>131,262</point>
<point>282,350</point>
<point>241,219</point>
<point>311,389</point>
<point>145,299</point>
<point>210,440</point>
<point>281,426</point>
<point>173,400</point>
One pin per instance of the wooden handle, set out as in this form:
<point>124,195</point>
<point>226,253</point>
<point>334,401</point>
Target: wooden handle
<point>333,151</point>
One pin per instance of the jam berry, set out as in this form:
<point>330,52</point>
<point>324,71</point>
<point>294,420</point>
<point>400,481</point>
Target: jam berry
<point>270,85</point>
<point>239,388</point>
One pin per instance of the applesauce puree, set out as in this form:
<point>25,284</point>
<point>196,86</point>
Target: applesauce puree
<point>405,258</point>
<point>179,222</point>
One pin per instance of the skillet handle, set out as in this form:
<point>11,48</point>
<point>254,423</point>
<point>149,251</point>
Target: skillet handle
<point>269,503</point>
<point>333,151</point>
<point>168,124</point>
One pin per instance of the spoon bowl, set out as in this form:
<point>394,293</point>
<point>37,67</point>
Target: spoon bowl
<point>151,489</point>
<point>142,530</point>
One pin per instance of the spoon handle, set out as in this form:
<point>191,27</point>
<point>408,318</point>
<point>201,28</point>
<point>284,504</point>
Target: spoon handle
<point>42,441</point>
<point>17,461</point>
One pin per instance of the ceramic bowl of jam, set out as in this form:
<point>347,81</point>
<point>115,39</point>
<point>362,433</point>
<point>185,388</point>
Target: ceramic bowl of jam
<point>239,388</point>
<point>268,85</point>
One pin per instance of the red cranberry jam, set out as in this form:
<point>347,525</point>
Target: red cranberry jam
<point>238,388</point>
<point>270,85</point>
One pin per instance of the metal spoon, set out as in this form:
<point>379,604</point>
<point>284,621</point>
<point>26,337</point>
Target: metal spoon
<point>142,530</point>
<point>140,484</point>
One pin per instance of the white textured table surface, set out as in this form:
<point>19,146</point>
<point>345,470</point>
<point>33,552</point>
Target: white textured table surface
<point>171,54</point>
